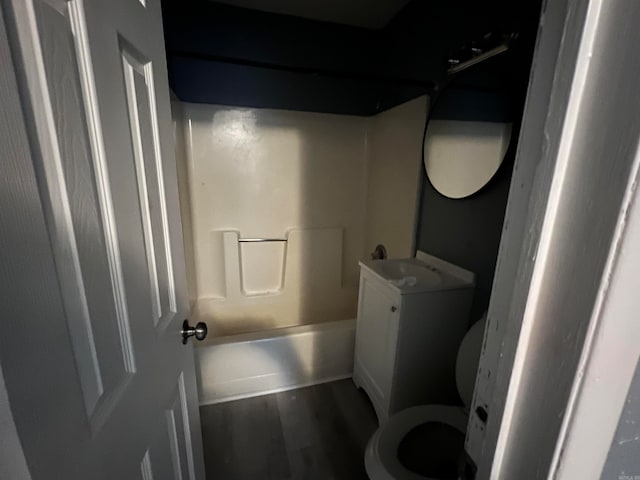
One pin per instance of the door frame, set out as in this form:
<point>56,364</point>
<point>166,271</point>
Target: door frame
<point>539,193</point>
<point>562,302</point>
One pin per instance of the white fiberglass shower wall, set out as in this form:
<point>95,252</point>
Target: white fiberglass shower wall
<point>294,179</point>
<point>323,190</point>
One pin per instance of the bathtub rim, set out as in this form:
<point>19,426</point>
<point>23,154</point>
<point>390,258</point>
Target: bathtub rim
<point>271,333</point>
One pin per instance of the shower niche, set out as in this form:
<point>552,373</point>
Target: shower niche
<point>277,282</point>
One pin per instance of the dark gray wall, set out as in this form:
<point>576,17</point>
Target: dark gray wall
<point>467,231</point>
<point>235,56</point>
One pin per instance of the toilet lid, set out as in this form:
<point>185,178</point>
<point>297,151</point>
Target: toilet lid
<point>384,459</point>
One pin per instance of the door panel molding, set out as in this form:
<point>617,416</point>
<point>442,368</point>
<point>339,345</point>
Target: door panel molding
<point>178,424</point>
<point>92,113</point>
<point>145,466</point>
<point>142,111</point>
<point>63,237</point>
<point>186,424</point>
<point>176,449</point>
<point>80,220</point>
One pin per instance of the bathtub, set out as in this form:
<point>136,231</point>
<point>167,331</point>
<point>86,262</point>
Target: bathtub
<point>250,364</point>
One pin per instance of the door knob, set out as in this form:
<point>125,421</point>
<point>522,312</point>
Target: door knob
<point>199,331</point>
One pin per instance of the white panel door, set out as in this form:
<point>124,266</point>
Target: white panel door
<point>103,387</point>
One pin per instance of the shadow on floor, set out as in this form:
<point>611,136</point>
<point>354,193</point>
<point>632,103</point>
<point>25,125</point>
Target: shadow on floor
<point>317,432</point>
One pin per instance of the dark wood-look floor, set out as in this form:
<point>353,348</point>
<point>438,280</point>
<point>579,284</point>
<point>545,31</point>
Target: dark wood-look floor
<point>317,432</point>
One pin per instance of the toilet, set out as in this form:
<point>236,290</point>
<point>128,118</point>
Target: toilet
<point>427,441</point>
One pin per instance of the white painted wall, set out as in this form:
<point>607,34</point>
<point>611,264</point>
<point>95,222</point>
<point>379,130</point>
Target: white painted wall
<point>394,163</point>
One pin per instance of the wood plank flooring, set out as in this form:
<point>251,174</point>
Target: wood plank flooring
<point>317,432</point>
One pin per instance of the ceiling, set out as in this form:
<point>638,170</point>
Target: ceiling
<point>372,14</point>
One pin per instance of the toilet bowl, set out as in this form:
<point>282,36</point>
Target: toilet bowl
<point>427,441</point>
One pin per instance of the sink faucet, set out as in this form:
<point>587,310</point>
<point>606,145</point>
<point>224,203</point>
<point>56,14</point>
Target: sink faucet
<point>379,253</point>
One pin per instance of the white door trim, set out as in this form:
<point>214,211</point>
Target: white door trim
<point>564,310</point>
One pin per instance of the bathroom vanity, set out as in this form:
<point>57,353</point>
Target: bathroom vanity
<point>412,315</point>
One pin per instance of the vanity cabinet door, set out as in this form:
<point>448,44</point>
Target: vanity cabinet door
<point>376,338</point>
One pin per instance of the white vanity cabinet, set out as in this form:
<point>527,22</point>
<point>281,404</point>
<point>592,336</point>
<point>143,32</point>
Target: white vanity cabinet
<point>412,315</point>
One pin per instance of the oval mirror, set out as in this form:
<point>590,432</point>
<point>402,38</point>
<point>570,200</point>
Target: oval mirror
<point>465,141</point>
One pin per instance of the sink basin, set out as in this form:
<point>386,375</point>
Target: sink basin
<point>420,274</point>
<point>405,273</point>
